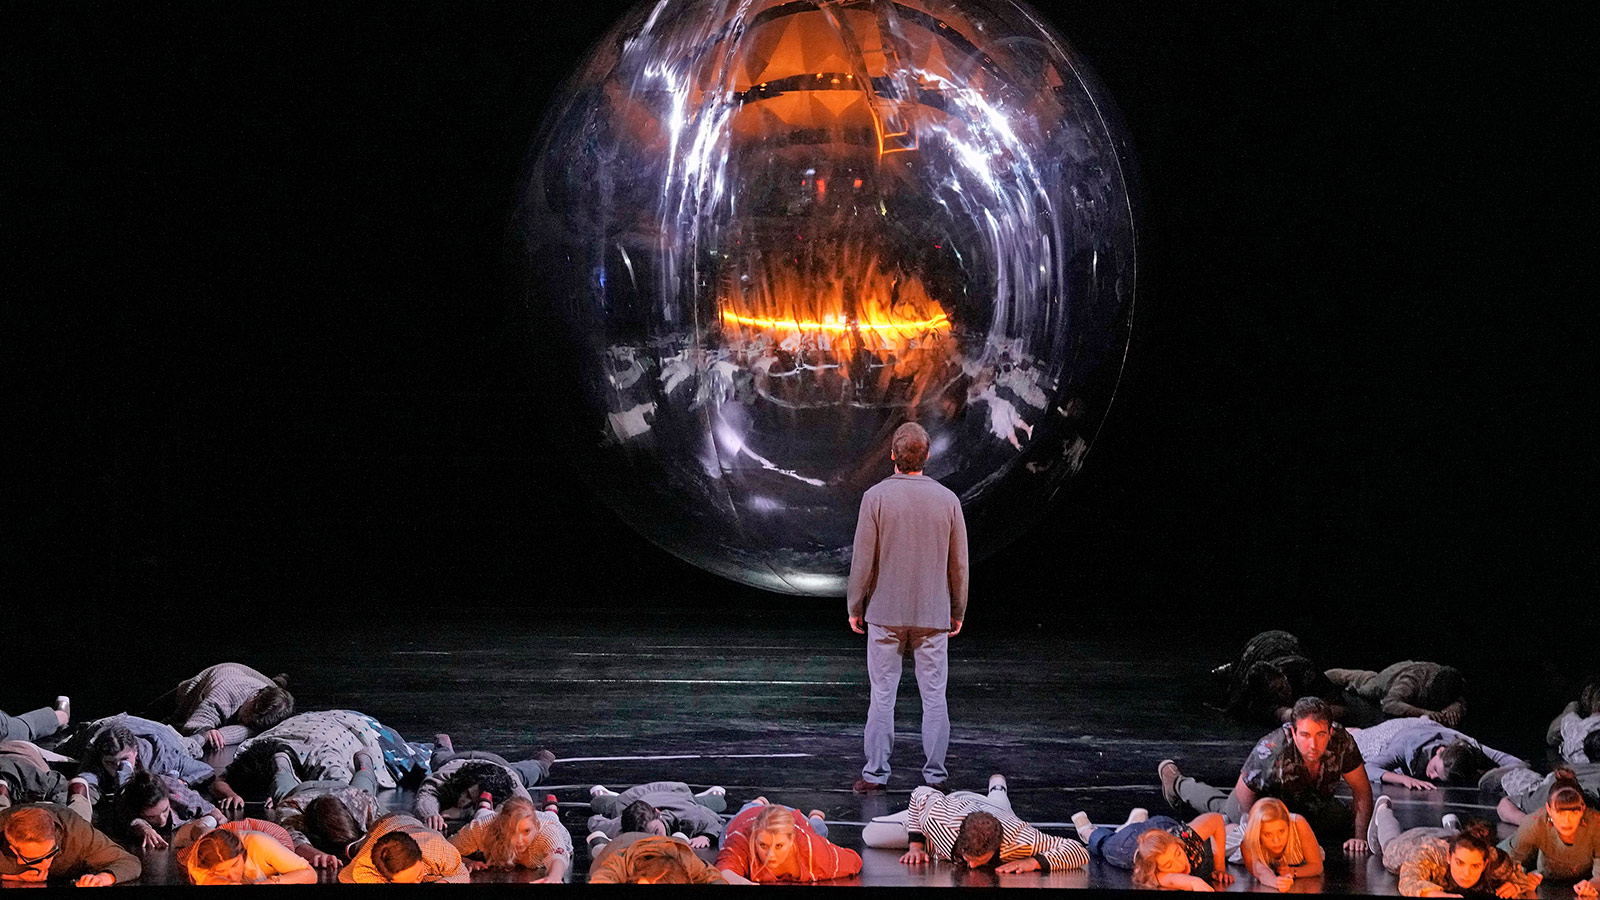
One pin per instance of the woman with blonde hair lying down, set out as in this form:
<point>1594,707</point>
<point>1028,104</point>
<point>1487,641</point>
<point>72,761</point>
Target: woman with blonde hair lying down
<point>516,835</point>
<point>768,842</point>
<point>1278,846</point>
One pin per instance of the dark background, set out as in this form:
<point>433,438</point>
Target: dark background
<point>266,364</point>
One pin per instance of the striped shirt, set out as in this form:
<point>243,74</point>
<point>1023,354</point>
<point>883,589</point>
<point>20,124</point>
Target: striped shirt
<point>214,696</point>
<point>551,841</point>
<point>441,861</point>
<point>935,820</point>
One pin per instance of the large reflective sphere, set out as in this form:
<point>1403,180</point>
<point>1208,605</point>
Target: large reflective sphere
<point>765,233</point>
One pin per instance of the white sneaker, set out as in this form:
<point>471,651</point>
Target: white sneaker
<point>1136,815</point>
<point>600,790</point>
<point>1451,821</point>
<point>998,781</point>
<point>1080,821</point>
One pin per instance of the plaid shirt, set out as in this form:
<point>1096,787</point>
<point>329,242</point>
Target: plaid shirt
<point>439,858</point>
<point>936,819</point>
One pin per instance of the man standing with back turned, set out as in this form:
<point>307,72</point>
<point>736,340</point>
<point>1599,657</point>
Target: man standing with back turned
<point>908,583</point>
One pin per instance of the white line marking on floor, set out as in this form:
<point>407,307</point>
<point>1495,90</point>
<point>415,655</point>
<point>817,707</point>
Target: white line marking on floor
<point>686,756</point>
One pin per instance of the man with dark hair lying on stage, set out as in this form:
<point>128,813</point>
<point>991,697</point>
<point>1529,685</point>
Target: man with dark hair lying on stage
<point>972,830</point>
<point>1301,764</point>
<point>681,809</point>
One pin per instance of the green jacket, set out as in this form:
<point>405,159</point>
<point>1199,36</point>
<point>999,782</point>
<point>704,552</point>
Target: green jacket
<point>84,850</point>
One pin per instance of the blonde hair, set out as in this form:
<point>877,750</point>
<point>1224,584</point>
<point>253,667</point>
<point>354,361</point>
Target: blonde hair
<point>499,832</point>
<point>1152,844</point>
<point>773,818</point>
<point>1271,809</point>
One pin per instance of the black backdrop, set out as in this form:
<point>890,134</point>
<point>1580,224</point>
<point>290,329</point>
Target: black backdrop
<point>262,344</point>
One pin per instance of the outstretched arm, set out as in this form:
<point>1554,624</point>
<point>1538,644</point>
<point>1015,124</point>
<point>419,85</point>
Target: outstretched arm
<point>1361,792</point>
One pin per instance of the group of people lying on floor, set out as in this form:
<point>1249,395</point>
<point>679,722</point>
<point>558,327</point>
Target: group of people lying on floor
<point>318,773</point>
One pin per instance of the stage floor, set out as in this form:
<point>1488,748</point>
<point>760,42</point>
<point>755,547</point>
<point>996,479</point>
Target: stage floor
<point>1075,713</point>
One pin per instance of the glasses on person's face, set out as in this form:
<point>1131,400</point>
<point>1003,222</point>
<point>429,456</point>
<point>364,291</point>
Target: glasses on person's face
<point>36,861</point>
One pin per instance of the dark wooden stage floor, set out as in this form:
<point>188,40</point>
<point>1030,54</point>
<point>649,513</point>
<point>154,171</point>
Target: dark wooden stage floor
<point>1075,713</point>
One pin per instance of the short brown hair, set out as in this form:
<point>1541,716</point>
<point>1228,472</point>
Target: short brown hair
<point>910,446</point>
<point>980,835</point>
<point>1313,708</point>
<point>394,853</point>
<point>30,825</point>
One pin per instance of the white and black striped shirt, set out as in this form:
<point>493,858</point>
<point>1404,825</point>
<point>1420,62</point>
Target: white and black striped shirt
<point>935,820</point>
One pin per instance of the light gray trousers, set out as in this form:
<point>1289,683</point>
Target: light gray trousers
<point>929,652</point>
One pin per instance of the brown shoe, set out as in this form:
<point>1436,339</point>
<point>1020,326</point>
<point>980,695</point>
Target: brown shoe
<point>863,786</point>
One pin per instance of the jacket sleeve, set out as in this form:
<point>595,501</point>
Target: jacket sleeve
<point>98,853</point>
<point>863,560</point>
<point>958,565</point>
<point>427,802</point>
<point>1426,871</point>
<point>735,853</point>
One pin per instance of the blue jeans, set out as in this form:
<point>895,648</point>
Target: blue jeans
<point>1117,847</point>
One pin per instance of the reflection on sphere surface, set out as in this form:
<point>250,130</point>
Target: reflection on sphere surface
<point>764,234</point>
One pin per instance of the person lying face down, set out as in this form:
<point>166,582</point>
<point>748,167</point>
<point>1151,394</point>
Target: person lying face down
<point>327,819</point>
<point>681,809</point>
<point>1420,754</point>
<point>402,850</point>
<point>516,834</point>
<point>235,855</point>
<point>1194,858</point>
<point>26,777</point>
<point>47,841</point>
<point>149,808</point>
<point>1446,861</point>
<point>1404,689</point>
<point>767,842</point>
<point>116,747</point>
<point>1278,846</point>
<point>973,831</point>
<point>322,745</point>
<point>654,860</point>
<point>226,703</point>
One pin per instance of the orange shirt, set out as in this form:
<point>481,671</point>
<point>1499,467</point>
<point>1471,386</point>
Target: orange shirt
<point>817,858</point>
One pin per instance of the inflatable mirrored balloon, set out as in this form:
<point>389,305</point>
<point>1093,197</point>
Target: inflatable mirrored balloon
<point>760,235</point>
